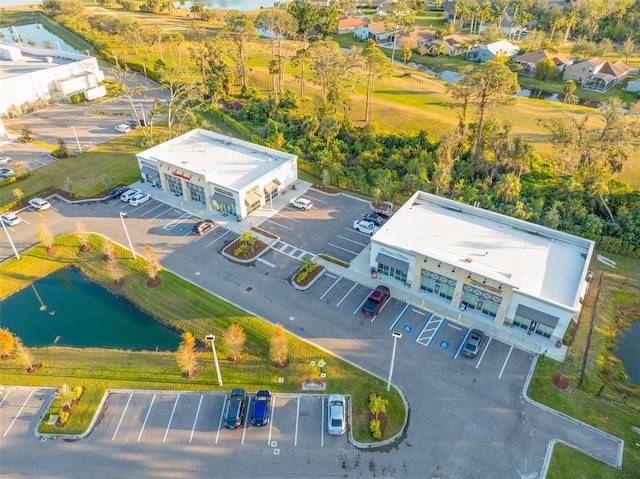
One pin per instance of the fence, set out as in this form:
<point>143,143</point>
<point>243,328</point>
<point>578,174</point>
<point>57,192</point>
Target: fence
<point>626,398</point>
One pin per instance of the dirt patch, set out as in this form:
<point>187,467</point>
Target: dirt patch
<point>53,249</point>
<point>310,276</point>
<point>560,382</point>
<point>263,232</point>
<point>249,252</point>
<point>34,368</point>
<point>85,248</point>
<point>324,189</point>
<point>153,282</point>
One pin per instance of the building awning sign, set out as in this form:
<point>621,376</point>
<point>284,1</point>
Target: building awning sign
<point>537,316</point>
<point>253,198</point>
<point>181,175</point>
<point>394,263</point>
<point>220,198</point>
<point>269,187</point>
<point>153,173</point>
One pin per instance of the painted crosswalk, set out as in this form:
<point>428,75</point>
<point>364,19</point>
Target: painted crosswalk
<point>291,251</point>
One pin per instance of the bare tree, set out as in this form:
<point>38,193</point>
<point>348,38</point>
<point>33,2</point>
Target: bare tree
<point>153,265</point>
<point>44,233</point>
<point>279,347</point>
<point>186,356</point>
<point>83,235</point>
<point>240,31</point>
<point>7,342</point>
<point>234,339</point>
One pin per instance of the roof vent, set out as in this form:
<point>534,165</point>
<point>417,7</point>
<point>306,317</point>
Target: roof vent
<point>468,260</point>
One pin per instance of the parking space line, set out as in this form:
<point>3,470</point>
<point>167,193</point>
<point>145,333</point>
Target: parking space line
<point>159,205</point>
<point>287,217</point>
<point>485,350</point>
<point>5,397</point>
<point>176,221</point>
<point>438,321</point>
<point>273,410</point>
<point>295,437</point>
<point>345,296</point>
<point>264,261</point>
<point>18,415</point>
<point>399,317</point>
<point>146,417</point>
<point>158,216</point>
<point>343,249</point>
<point>122,417</point>
<point>421,313</point>
<point>195,420</point>
<point>331,287</point>
<point>322,423</point>
<point>166,433</point>
<point>246,419</point>
<point>350,240</point>
<point>279,225</point>
<point>464,338</point>
<point>222,235</point>
<point>317,200</point>
<point>221,418</point>
<point>505,362</point>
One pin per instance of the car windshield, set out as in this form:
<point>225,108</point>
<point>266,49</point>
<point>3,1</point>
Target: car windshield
<point>471,347</point>
<point>336,422</point>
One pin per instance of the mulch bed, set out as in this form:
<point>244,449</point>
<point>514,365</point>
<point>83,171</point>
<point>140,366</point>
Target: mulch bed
<point>560,382</point>
<point>324,189</point>
<point>153,282</point>
<point>85,248</point>
<point>383,421</point>
<point>263,232</point>
<point>258,247</point>
<point>34,368</point>
<point>309,277</point>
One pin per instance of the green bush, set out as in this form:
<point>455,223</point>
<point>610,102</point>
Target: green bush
<point>240,250</point>
<point>77,392</point>
<point>301,277</point>
<point>77,98</point>
<point>64,416</point>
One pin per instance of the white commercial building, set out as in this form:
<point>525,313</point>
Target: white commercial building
<point>219,172</point>
<point>490,266</point>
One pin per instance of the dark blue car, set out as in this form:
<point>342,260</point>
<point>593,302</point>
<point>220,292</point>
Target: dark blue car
<point>260,415</point>
<point>117,192</point>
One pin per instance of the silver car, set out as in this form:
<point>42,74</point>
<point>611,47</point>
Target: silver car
<point>336,414</point>
<point>473,343</point>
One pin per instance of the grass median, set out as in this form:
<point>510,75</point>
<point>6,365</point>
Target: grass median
<point>183,306</point>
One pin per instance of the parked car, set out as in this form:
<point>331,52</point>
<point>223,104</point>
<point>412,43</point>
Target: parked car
<point>6,173</point>
<point>130,193</point>
<point>116,192</point>
<point>336,414</point>
<point>135,123</point>
<point>385,209</point>
<point>10,218</point>
<point>473,343</point>
<point>235,409</point>
<point>301,203</point>
<point>201,226</point>
<point>4,160</point>
<point>260,416</point>
<point>139,199</point>
<point>366,227</point>
<point>375,219</point>
<point>123,128</point>
<point>39,204</point>
<point>376,300</point>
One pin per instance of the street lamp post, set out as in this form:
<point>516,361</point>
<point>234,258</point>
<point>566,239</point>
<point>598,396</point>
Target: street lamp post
<point>396,336</point>
<point>77,141</point>
<point>144,120</point>
<point>212,338</point>
<point>15,251</point>
<point>123,214</point>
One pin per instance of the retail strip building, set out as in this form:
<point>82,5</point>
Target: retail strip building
<point>497,268</point>
<point>219,172</point>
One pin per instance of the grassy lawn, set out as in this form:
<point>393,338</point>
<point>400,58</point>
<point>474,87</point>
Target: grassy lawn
<point>181,305</point>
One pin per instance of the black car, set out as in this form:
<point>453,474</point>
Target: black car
<point>201,226</point>
<point>135,123</point>
<point>235,409</point>
<point>374,218</point>
<point>117,192</point>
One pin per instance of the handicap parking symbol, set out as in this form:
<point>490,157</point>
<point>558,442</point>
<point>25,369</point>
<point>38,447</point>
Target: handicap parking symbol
<point>444,344</point>
<point>181,229</point>
<point>407,328</point>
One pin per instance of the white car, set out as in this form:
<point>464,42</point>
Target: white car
<point>127,195</point>
<point>4,160</point>
<point>6,173</point>
<point>336,414</point>
<point>366,227</point>
<point>140,198</point>
<point>39,204</point>
<point>301,203</point>
<point>123,128</point>
<point>10,218</point>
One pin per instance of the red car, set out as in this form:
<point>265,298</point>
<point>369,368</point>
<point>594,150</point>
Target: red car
<point>376,300</point>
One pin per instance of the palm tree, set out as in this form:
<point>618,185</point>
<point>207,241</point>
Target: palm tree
<point>570,22</point>
<point>159,35</point>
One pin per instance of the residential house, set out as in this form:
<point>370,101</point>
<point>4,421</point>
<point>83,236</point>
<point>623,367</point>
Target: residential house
<point>453,44</point>
<point>414,38</point>
<point>529,60</point>
<point>385,6</point>
<point>634,85</point>
<point>377,31</point>
<point>349,23</point>
<point>596,73</point>
<point>490,51</point>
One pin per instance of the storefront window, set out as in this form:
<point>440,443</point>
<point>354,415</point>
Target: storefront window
<point>175,184</point>
<point>486,303</point>
<point>196,193</point>
<point>437,284</point>
<point>392,272</point>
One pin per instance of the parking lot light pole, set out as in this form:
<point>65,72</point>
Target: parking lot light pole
<point>212,338</point>
<point>396,336</point>
<point>123,214</point>
<point>77,141</point>
<point>15,251</point>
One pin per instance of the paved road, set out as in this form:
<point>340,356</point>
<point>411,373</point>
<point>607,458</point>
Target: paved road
<point>467,417</point>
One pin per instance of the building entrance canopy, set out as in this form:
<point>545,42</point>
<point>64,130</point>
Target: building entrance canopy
<point>537,316</point>
<point>220,198</point>
<point>392,262</point>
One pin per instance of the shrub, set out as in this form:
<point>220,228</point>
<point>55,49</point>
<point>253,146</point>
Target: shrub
<point>301,276</point>
<point>374,427</point>
<point>63,416</point>
<point>77,392</point>
<point>240,249</point>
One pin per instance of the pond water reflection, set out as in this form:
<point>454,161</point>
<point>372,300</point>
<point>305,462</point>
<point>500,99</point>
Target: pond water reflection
<point>35,35</point>
<point>66,309</point>
<point>627,351</point>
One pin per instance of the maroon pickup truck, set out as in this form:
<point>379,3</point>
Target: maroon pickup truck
<point>376,300</point>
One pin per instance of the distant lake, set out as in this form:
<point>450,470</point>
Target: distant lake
<point>35,32</point>
<point>244,5</point>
